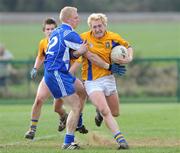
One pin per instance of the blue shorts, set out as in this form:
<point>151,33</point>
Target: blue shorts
<point>60,84</point>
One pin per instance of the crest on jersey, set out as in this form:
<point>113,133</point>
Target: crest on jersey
<point>90,45</point>
<point>108,45</point>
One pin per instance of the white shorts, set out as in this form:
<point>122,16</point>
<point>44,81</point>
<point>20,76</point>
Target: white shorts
<point>106,84</point>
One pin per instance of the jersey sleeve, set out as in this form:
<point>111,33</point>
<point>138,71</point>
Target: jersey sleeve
<point>72,40</point>
<point>41,51</point>
<point>118,40</point>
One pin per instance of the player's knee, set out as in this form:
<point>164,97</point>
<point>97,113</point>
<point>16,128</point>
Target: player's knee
<point>105,112</point>
<point>76,110</point>
<point>77,107</point>
<point>115,114</point>
<point>82,95</point>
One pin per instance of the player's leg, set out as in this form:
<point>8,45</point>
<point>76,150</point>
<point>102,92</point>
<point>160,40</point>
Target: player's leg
<point>98,99</point>
<point>97,91</point>
<point>74,102</point>
<point>42,94</point>
<point>111,98</point>
<point>58,108</point>
<point>113,103</point>
<point>98,118</point>
<point>62,85</point>
<point>80,90</point>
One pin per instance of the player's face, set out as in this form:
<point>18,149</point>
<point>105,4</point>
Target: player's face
<point>74,20</point>
<point>48,29</point>
<point>98,28</point>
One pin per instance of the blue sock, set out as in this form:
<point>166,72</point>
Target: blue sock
<point>68,139</point>
<point>80,121</point>
<point>119,137</point>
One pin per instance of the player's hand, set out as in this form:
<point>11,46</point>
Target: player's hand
<point>83,47</point>
<point>117,69</point>
<point>82,50</point>
<point>33,73</point>
<point>125,60</point>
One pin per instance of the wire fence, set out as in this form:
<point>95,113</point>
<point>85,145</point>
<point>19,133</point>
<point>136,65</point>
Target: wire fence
<point>147,79</point>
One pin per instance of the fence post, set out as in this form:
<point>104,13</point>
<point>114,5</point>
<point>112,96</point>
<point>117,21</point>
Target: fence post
<point>178,80</point>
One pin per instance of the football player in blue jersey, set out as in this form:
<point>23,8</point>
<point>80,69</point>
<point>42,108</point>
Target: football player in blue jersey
<point>59,80</point>
<point>43,92</point>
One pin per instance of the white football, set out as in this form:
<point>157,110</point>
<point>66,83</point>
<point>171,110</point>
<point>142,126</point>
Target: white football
<point>117,53</point>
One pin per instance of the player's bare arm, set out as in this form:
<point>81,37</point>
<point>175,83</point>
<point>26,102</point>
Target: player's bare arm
<point>94,58</point>
<point>38,62</point>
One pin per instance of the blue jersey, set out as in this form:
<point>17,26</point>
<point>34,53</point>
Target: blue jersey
<point>61,41</point>
<point>57,61</point>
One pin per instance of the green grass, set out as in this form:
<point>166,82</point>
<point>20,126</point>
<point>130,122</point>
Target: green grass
<point>149,128</point>
<point>152,39</point>
<point>148,39</point>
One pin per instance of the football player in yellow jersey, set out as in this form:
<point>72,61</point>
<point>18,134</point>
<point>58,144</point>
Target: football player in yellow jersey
<point>43,92</point>
<point>98,80</point>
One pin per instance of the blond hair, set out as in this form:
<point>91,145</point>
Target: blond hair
<point>97,16</point>
<point>66,13</point>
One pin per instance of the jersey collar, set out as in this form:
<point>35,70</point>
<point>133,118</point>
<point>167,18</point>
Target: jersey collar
<point>67,25</point>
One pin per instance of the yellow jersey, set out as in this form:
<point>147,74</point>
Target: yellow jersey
<point>43,44</point>
<point>102,47</point>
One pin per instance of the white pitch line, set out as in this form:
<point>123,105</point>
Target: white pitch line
<point>44,137</point>
<point>28,141</point>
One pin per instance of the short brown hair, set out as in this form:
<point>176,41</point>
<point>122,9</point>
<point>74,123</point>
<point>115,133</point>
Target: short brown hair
<point>49,21</point>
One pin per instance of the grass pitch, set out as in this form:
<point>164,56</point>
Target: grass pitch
<point>149,128</point>
<point>147,39</point>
